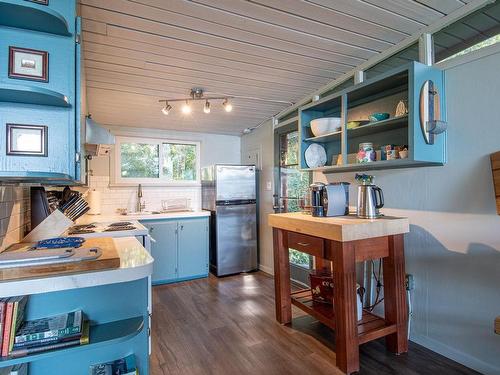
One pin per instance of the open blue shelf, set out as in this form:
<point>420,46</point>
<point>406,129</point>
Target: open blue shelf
<point>44,178</point>
<point>32,95</point>
<point>100,335</point>
<point>31,16</point>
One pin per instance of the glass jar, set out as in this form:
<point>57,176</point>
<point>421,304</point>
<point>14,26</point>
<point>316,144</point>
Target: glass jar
<point>366,153</point>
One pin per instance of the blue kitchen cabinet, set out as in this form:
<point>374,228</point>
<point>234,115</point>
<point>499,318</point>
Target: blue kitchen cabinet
<point>179,247</point>
<point>56,103</point>
<point>193,248</point>
<point>164,251</point>
<point>382,93</point>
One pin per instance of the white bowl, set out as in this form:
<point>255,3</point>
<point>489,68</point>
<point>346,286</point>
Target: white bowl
<point>325,125</point>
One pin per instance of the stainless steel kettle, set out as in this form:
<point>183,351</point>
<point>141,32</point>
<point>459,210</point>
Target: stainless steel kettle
<point>370,198</point>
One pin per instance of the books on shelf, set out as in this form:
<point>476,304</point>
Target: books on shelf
<point>122,366</point>
<point>13,317</point>
<point>82,339</point>
<point>20,338</point>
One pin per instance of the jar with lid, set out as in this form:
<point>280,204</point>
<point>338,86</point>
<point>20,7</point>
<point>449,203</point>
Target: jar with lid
<point>366,153</point>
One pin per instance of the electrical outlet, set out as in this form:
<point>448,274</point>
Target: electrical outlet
<point>409,282</point>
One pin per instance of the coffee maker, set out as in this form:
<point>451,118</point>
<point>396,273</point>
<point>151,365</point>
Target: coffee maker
<point>329,199</point>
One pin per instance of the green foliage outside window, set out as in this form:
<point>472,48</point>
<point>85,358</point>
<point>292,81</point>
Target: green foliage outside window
<point>139,160</point>
<point>179,162</point>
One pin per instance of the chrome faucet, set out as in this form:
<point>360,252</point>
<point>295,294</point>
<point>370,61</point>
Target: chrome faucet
<point>140,205</point>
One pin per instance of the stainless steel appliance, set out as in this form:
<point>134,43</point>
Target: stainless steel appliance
<point>370,198</point>
<point>229,192</point>
<point>329,200</point>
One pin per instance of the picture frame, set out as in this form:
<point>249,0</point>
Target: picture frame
<point>42,2</point>
<point>27,140</point>
<point>30,64</point>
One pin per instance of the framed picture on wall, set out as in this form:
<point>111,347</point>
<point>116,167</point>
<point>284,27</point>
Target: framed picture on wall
<point>43,2</point>
<point>28,64</point>
<point>26,140</point>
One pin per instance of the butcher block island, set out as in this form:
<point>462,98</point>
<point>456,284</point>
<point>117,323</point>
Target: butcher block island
<point>337,243</point>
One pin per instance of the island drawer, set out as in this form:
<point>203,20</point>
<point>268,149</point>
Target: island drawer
<point>308,244</point>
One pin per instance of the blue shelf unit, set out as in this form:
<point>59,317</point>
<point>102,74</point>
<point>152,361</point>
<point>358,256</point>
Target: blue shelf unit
<point>56,104</point>
<point>379,94</point>
<point>180,249</point>
<point>119,327</point>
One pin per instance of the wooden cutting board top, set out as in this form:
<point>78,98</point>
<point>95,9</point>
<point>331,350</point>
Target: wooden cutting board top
<point>339,228</point>
<point>108,260</point>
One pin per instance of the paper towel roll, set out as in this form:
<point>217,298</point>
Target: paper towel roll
<point>94,199</point>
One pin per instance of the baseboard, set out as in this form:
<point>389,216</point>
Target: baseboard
<point>455,355</point>
<point>266,269</point>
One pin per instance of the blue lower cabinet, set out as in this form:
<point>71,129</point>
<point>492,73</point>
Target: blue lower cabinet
<point>119,326</point>
<point>193,248</point>
<point>164,251</point>
<point>180,249</point>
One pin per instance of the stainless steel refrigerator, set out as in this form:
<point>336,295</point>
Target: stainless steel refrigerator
<point>229,192</point>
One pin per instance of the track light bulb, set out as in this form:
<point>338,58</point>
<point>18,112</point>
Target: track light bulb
<point>166,110</point>
<point>186,108</point>
<point>206,107</point>
<point>227,106</point>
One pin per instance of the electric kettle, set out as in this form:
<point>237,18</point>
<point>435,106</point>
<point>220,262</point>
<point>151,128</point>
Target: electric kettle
<point>370,198</point>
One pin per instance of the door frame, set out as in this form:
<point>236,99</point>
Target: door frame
<point>298,274</point>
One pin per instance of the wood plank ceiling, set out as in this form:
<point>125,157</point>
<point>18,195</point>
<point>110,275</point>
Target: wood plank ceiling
<point>139,51</point>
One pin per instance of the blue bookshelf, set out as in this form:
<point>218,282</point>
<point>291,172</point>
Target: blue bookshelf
<point>32,95</point>
<point>32,16</point>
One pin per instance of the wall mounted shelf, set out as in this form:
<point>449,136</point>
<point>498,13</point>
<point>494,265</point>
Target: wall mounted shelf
<point>44,178</point>
<point>32,95</point>
<point>325,138</point>
<point>379,94</point>
<point>30,16</point>
<point>101,335</point>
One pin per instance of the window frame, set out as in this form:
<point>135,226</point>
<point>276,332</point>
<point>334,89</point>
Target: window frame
<point>115,167</point>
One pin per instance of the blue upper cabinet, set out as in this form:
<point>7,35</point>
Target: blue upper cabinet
<point>411,97</point>
<point>48,103</point>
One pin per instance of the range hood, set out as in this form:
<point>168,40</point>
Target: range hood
<point>98,140</point>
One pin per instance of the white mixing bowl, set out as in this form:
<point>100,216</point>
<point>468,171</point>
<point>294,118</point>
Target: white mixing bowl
<point>325,125</point>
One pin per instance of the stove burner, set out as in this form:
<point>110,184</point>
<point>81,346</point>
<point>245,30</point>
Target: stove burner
<point>121,224</point>
<point>116,228</point>
<point>80,231</point>
<point>82,227</point>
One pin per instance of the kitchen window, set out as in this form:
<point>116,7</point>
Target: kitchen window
<point>156,161</point>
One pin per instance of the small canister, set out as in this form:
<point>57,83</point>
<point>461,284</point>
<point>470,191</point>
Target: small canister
<point>366,153</point>
<point>389,152</point>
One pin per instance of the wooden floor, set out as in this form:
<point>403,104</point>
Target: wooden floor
<point>227,326</point>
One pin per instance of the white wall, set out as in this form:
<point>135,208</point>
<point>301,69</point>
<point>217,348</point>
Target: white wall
<point>214,149</point>
<point>262,142</point>
<point>453,249</point>
<point>14,215</point>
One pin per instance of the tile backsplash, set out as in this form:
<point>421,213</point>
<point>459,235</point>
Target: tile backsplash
<point>126,197</point>
<point>14,214</point>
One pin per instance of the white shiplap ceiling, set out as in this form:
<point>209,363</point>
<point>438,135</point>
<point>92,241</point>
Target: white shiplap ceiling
<point>139,51</point>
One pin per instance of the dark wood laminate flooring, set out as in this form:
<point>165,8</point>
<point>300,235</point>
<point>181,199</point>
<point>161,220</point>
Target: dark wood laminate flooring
<point>227,326</point>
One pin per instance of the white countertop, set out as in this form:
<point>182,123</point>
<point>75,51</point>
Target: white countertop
<point>116,217</point>
<point>135,263</point>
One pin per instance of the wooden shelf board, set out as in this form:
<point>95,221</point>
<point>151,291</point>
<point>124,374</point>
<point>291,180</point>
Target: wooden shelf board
<point>376,165</point>
<point>32,95</point>
<point>44,178</point>
<point>32,16</point>
<point>379,126</point>
<point>370,327</point>
<point>101,335</point>
<point>326,138</point>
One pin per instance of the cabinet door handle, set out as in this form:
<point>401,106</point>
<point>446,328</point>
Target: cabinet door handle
<point>304,244</point>
<point>182,227</point>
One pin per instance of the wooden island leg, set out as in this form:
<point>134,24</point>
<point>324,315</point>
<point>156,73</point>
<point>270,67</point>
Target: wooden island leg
<point>396,309</point>
<point>282,277</point>
<point>344,300</point>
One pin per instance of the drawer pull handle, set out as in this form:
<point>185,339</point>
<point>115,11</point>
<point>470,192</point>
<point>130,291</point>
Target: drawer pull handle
<point>304,244</point>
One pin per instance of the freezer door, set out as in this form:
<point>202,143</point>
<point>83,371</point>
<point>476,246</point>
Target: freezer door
<point>236,239</point>
<point>235,182</point>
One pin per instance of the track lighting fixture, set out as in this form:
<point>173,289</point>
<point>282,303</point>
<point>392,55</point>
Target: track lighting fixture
<point>206,107</point>
<point>186,108</point>
<point>196,94</point>
<point>227,106</point>
<point>166,110</point>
